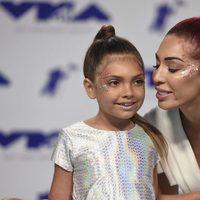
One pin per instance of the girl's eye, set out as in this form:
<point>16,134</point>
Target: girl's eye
<point>113,83</point>
<point>139,82</point>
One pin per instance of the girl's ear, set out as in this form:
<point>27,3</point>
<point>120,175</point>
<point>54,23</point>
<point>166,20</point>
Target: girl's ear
<point>89,88</point>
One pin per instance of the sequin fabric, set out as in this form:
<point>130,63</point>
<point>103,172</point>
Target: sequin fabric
<point>107,165</point>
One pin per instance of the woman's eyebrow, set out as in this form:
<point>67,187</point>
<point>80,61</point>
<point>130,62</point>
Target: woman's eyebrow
<point>169,58</point>
<point>174,58</point>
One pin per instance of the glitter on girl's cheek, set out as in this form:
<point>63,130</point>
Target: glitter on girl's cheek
<point>104,87</point>
<point>101,79</point>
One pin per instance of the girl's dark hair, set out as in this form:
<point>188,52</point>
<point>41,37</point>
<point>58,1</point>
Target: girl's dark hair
<point>189,29</point>
<point>107,43</point>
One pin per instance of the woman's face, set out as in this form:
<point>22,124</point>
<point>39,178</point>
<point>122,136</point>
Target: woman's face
<point>176,75</point>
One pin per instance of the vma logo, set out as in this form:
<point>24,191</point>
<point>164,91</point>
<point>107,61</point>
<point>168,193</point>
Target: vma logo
<point>163,12</point>
<point>34,139</point>
<point>48,10</point>
<point>43,196</point>
<point>4,81</point>
<point>56,76</point>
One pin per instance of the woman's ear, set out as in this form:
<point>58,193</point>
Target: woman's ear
<point>89,88</point>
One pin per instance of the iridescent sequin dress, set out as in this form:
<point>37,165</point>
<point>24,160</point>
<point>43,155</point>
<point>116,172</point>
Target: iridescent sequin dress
<point>107,165</point>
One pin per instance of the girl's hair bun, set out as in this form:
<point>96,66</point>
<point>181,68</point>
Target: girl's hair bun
<point>105,32</point>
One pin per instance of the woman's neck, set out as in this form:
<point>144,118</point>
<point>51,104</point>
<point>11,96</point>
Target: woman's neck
<point>190,121</point>
<point>191,126</point>
<point>190,117</point>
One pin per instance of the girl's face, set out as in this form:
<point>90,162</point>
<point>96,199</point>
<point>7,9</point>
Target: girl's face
<point>119,87</point>
<point>176,75</point>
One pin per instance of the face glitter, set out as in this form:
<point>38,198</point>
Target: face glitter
<point>104,87</point>
<point>189,71</point>
<point>100,78</point>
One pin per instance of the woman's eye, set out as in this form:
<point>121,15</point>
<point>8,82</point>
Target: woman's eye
<point>155,66</point>
<point>172,70</point>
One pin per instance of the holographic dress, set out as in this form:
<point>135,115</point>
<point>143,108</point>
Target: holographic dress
<point>107,165</point>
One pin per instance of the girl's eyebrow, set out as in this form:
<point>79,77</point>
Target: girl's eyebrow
<point>119,77</point>
<point>170,58</point>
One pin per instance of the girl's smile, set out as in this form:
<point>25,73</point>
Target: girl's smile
<point>119,88</point>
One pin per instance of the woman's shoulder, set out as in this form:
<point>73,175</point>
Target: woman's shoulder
<point>157,114</point>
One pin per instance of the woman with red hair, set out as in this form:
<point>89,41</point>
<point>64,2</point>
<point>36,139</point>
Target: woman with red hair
<point>177,81</point>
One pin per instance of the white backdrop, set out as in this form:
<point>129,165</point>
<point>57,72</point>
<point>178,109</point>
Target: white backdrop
<point>42,46</point>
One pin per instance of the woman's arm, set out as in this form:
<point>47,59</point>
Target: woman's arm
<point>165,187</point>
<point>189,196</point>
<point>160,196</point>
<point>62,184</point>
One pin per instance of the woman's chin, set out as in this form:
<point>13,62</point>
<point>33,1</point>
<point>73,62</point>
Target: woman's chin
<point>166,106</point>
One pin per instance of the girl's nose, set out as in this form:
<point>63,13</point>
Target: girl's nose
<point>128,91</point>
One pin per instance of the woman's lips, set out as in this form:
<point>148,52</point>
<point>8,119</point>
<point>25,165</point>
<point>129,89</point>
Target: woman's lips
<point>162,95</point>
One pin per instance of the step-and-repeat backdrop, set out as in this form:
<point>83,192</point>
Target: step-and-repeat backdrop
<point>42,46</point>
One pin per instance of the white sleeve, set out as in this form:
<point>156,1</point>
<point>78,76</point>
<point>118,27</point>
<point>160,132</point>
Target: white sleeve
<point>62,153</point>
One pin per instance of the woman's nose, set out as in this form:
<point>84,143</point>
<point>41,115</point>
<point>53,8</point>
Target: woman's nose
<point>159,76</point>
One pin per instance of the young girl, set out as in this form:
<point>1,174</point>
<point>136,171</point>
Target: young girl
<point>112,155</point>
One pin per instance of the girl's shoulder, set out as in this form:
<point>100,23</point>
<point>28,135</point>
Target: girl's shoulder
<point>73,128</point>
<point>79,128</point>
<point>76,125</point>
